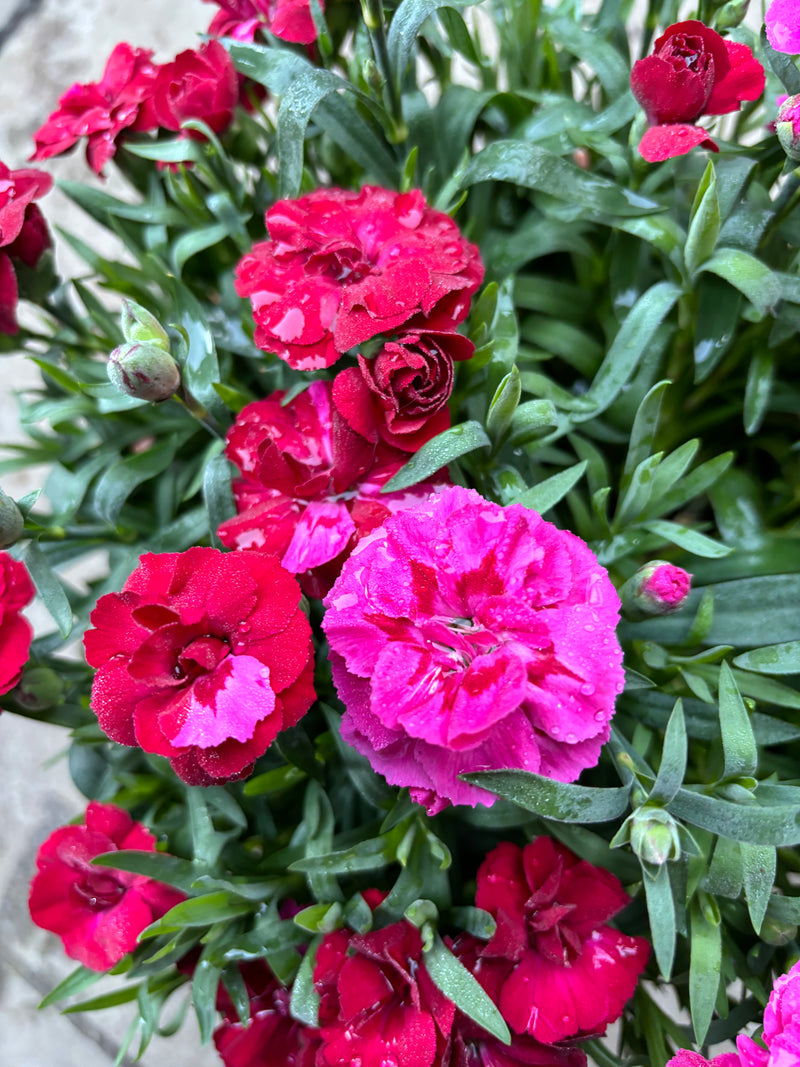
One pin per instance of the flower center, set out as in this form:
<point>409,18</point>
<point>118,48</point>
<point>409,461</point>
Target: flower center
<point>547,922</point>
<point>96,891</point>
<point>201,655</point>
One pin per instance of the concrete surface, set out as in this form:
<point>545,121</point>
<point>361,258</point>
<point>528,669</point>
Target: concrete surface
<point>45,46</point>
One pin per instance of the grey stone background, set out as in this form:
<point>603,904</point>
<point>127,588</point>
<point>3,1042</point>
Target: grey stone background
<point>46,46</point>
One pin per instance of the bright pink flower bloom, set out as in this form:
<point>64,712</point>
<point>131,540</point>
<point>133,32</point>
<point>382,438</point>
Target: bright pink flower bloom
<point>16,590</point>
<point>101,111</point>
<point>401,395</point>
<point>342,267</point>
<point>692,72</point>
<point>378,1002</point>
<point>288,19</point>
<point>272,1038</point>
<point>781,1027</point>
<point>783,26</point>
<point>465,636</point>
<point>203,658</point>
<point>563,971</point>
<point>683,1058</point>
<point>471,1046</point>
<point>23,233</point>
<point>97,912</point>
<point>311,486</point>
<point>198,84</point>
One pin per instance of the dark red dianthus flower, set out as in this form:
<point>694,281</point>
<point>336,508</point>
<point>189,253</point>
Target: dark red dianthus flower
<point>342,267</point>
<point>310,486</point>
<point>16,590</point>
<point>101,111</point>
<point>288,19</point>
<point>378,1002</point>
<point>197,84</point>
<point>98,912</point>
<point>691,72</point>
<point>561,971</point>
<point>203,658</point>
<point>23,233</point>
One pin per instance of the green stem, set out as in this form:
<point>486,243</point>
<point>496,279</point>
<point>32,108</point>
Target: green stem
<point>375,21</point>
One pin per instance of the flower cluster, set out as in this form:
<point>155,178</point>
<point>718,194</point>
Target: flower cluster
<point>24,236</point>
<point>16,590</point>
<point>464,637</point>
<point>97,912</point>
<point>203,658</point>
<point>135,95</point>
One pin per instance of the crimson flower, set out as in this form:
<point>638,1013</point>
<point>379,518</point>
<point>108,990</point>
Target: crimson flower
<point>23,233</point>
<point>97,912</point>
<point>16,590</point>
<point>288,19</point>
<point>378,1003</point>
<point>692,72</point>
<point>310,486</point>
<point>401,395</point>
<point>342,267</point>
<point>203,658</point>
<point>197,84</point>
<point>271,1037</point>
<point>561,971</point>
<point>101,111</point>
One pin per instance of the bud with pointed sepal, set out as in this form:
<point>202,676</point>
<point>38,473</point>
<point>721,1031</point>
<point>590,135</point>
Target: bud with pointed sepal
<point>787,126</point>
<point>144,371</point>
<point>657,588</point>
<point>12,523</point>
<point>140,325</point>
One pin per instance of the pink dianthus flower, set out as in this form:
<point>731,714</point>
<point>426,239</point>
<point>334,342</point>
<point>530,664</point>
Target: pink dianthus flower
<point>781,1026</point>
<point>310,485</point>
<point>783,26</point>
<point>342,267</point>
<point>465,636</point>
<point>684,1058</point>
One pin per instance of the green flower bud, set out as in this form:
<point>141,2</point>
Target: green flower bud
<point>12,523</point>
<point>144,371</point>
<point>39,688</point>
<point>138,324</point>
<point>776,931</point>
<point>730,15</point>
<point>654,836</point>
<point>658,588</point>
<point>787,126</point>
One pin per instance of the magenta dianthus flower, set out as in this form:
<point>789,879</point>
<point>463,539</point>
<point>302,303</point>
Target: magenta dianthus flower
<point>466,637</point>
<point>781,1026</point>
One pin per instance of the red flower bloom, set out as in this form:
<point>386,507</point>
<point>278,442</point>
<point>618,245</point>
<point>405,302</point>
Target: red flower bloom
<point>288,19</point>
<point>101,111</point>
<point>472,1046</point>
<point>562,972</point>
<point>692,72</point>
<point>203,658</point>
<point>200,84</point>
<point>401,395</point>
<point>342,267</point>
<point>378,1002</point>
<point>16,590</point>
<point>311,487</point>
<point>96,911</point>
<point>23,233</point>
<point>272,1038</point>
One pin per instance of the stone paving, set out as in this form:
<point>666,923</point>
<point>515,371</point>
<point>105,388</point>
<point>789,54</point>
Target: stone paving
<point>45,46</point>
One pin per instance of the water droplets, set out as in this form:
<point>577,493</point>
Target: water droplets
<point>587,689</point>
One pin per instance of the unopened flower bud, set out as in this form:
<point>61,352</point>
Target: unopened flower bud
<point>39,688</point>
<point>12,523</point>
<point>144,371</point>
<point>658,588</point>
<point>787,126</point>
<point>730,15</point>
<point>654,836</point>
<point>777,931</point>
<point>138,324</point>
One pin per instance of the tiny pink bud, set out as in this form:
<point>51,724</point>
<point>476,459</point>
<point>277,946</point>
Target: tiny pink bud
<point>787,126</point>
<point>657,588</point>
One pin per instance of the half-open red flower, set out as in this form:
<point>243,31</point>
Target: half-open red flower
<point>16,590</point>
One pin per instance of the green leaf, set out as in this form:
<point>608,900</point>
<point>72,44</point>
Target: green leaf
<point>464,990</point>
<point>759,863</point>
<point>773,825</point>
<point>612,70</point>
<point>686,538</point>
<point>531,419</point>
<point>533,167</point>
<point>633,340</point>
<point>758,391</point>
<point>562,801</point>
<point>503,405</point>
<point>120,479</point>
<point>772,659</point>
<point>81,978</point>
<point>218,494</point>
<point>304,1004</point>
<point>643,431</point>
<point>716,322</point>
<point>661,912</point>
<point>157,865</point>
<point>738,742</point>
<point>705,965</point>
<point>181,150</point>
<point>406,23</point>
<point>747,274</point>
<point>100,205</point>
<point>546,494</point>
<point>200,911</point>
<point>704,226</point>
<point>673,759</point>
<point>196,240</point>
<point>200,369</point>
<point>783,66</point>
<point>48,586</point>
<point>437,453</point>
<point>205,981</point>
